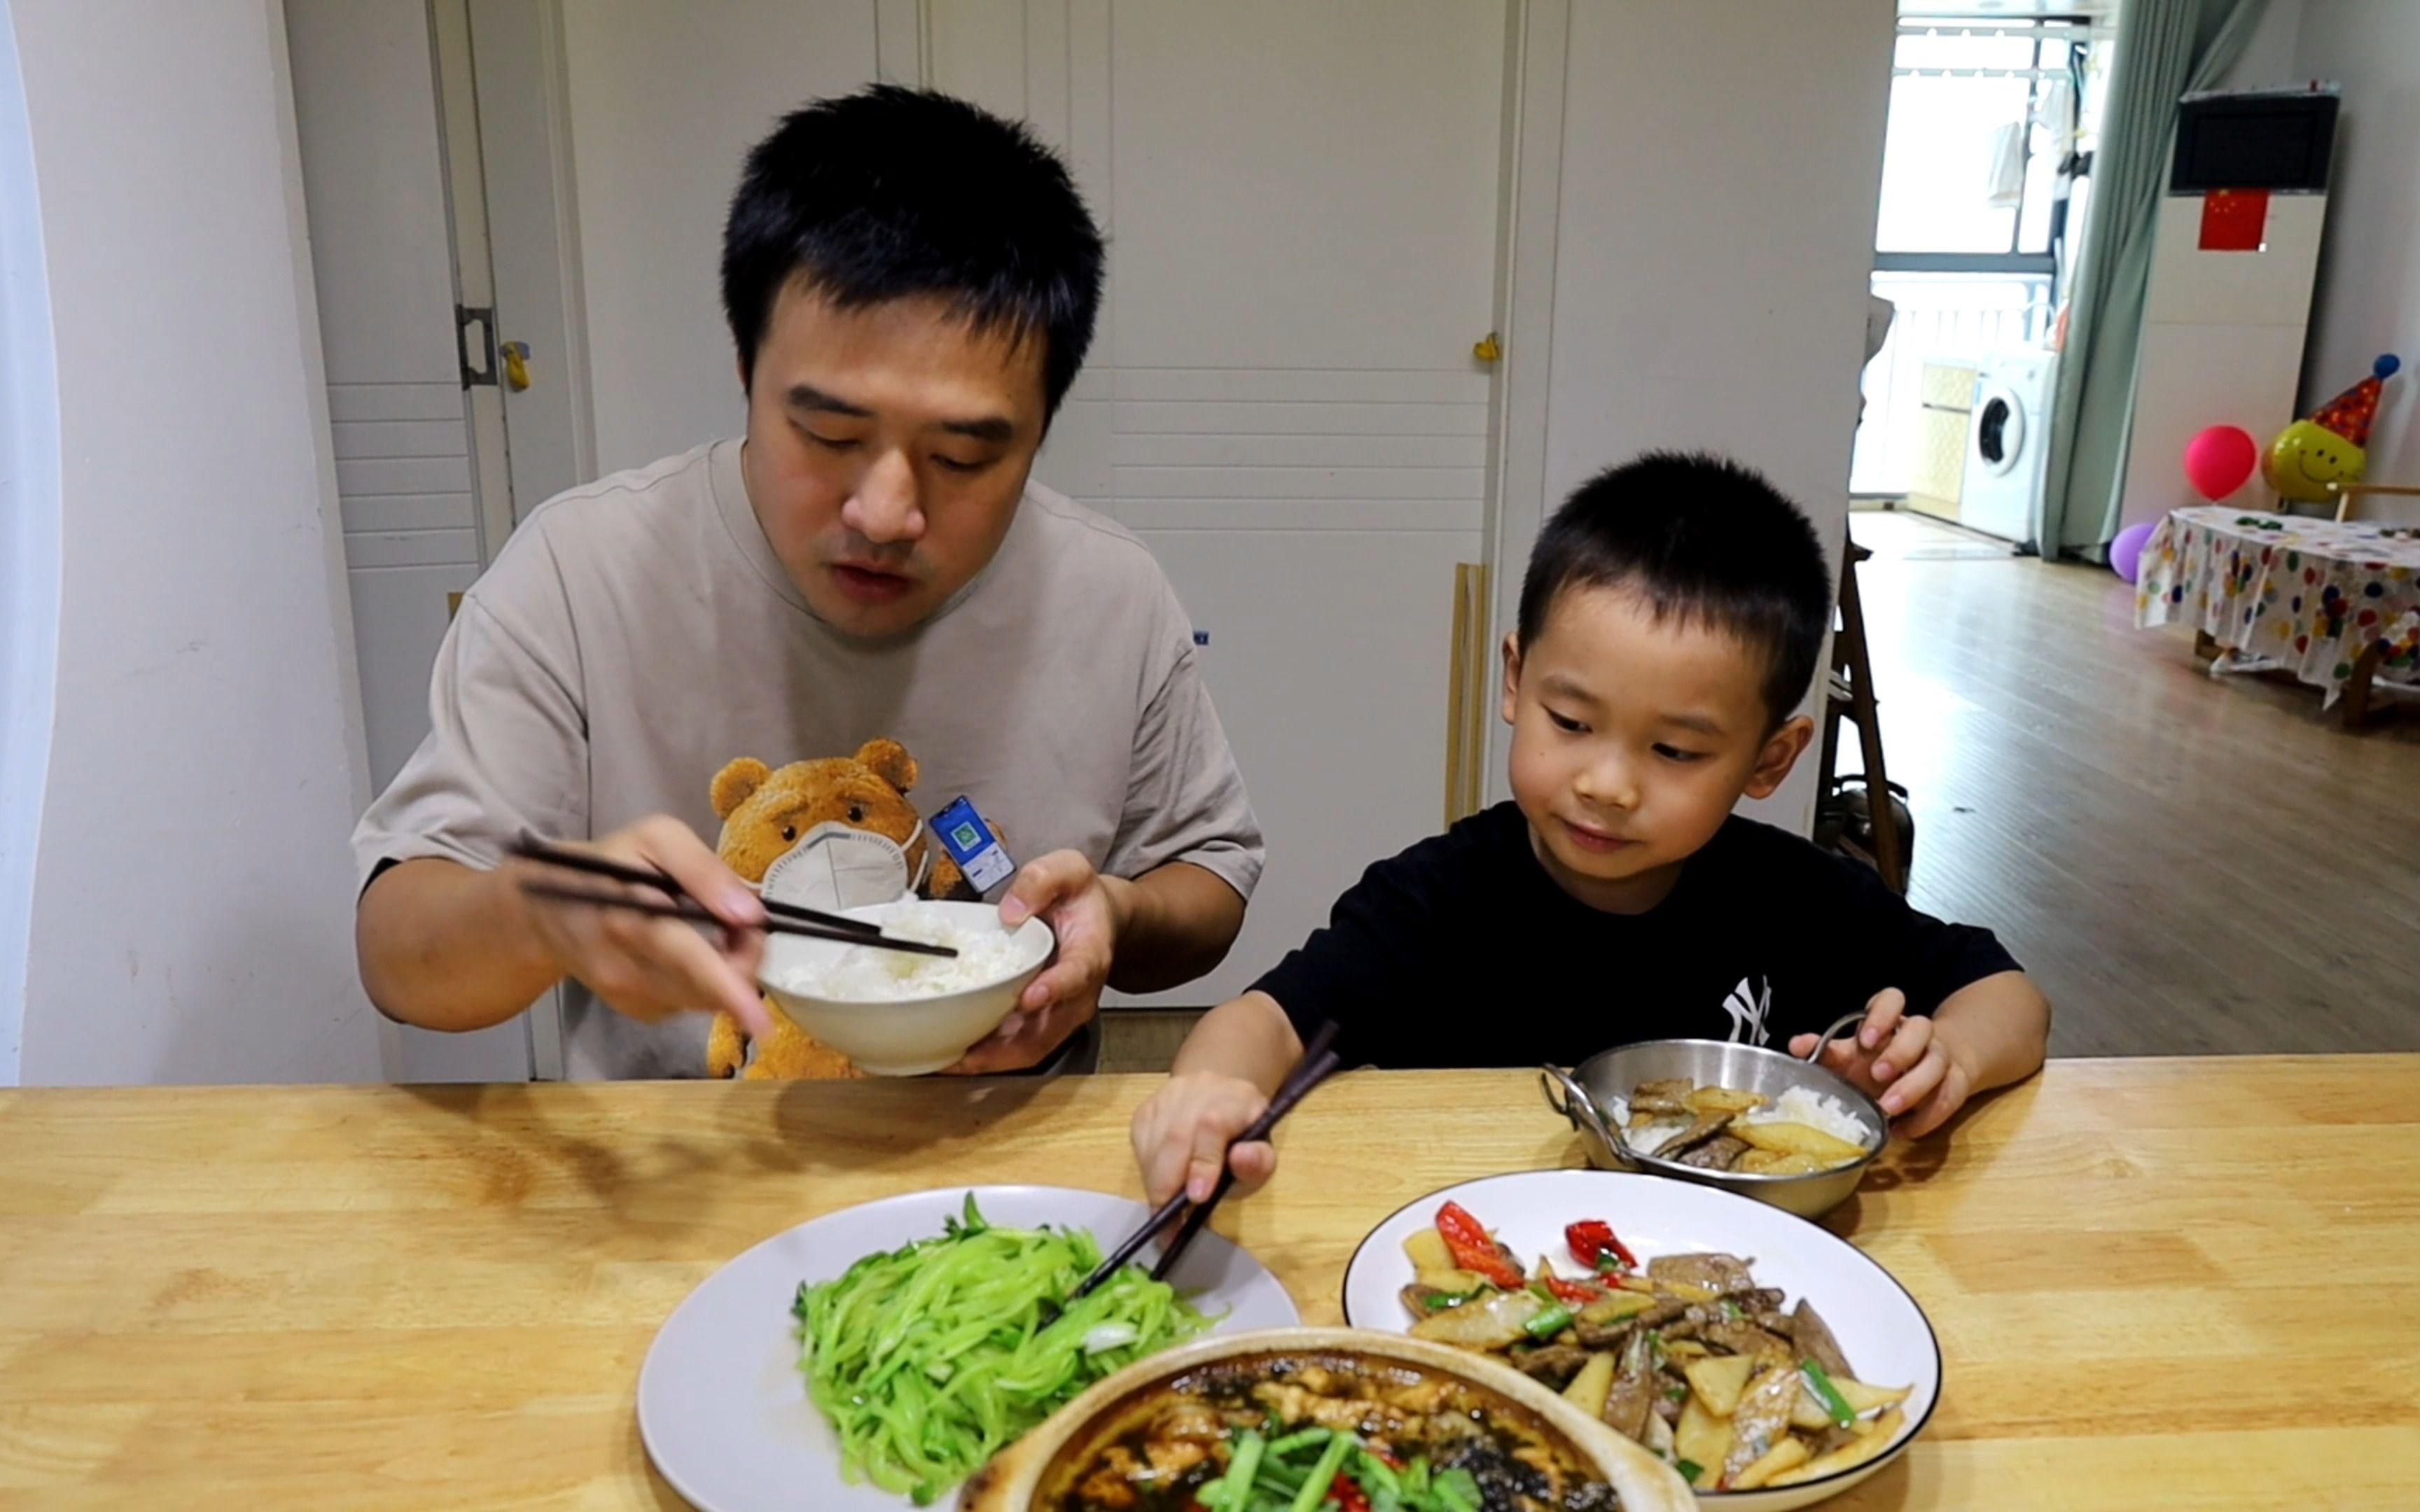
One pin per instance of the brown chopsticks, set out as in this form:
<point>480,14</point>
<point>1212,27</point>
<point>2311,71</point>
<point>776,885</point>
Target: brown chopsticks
<point>783,918</point>
<point>1318,1061</point>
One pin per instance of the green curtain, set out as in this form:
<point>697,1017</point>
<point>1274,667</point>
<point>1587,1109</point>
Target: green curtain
<point>2167,49</point>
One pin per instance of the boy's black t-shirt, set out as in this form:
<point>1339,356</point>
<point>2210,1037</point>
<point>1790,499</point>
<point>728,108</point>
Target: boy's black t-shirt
<point>1463,951</point>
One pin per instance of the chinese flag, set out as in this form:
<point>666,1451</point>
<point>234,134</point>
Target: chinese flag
<point>2234,220</point>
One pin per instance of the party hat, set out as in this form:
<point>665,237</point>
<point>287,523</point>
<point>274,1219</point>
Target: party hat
<point>2350,413</point>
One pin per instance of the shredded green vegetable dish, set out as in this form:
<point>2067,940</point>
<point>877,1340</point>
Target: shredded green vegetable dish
<point>929,1359</point>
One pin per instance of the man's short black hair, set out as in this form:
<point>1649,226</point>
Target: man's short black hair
<point>1701,539</point>
<point>892,192</point>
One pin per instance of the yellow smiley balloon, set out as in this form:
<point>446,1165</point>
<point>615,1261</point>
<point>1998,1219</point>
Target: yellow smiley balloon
<point>2307,462</point>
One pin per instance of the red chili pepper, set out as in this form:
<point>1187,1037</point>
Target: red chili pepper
<point>1349,1497</point>
<point>1578,1294</point>
<point>1592,1239</point>
<point>1384,1455</point>
<point>1473,1250</point>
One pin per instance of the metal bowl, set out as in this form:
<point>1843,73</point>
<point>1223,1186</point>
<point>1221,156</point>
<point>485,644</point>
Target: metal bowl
<point>1582,1095</point>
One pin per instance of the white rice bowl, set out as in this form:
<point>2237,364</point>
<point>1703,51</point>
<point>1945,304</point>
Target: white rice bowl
<point>864,974</point>
<point>897,1014</point>
<point>1799,1105</point>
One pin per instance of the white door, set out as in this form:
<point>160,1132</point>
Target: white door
<point>1283,400</point>
<point>611,134</point>
<point>418,452</point>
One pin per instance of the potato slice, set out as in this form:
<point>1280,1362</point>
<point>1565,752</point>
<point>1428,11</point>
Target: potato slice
<point>1685,1350</point>
<point>1862,1398</point>
<point>1784,1456</point>
<point>1428,1252</point>
<point>1659,1439</point>
<point>1849,1456</point>
<point>1789,1138</point>
<point>1717,1382</point>
<point>1613,1307</point>
<point>1587,1389</point>
<point>1684,1291</point>
<point>1808,1414</point>
<point>1453,1281</point>
<point>1702,1438</point>
<point>1482,1324</point>
<point>1773,1163</point>
<point>1722,1100</point>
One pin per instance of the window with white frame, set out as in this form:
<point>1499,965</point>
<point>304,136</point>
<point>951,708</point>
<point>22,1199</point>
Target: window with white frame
<point>1985,180</point>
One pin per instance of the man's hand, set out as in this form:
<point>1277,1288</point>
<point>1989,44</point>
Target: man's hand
<point>1903,1061</point>
<point>650,968</point>
<point>1087,912</point>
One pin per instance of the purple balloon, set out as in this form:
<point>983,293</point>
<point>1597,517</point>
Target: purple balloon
<point>2126,552</point>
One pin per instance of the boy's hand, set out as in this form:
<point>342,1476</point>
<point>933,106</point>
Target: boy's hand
<point>1898,1057</point>
<point>1179,1134</point>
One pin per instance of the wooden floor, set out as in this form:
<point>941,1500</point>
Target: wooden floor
<point>2187,864</point>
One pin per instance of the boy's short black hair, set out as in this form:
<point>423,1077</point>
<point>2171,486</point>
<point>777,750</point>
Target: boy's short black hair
<point>892,192</point>
<point>1701,539</point>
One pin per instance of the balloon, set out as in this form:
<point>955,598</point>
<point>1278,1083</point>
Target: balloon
<point>2308,463</point>
<point>2126,552</point>
<point>2219,459</point>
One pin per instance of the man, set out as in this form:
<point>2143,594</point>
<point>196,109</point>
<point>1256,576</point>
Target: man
<point>911,284</point>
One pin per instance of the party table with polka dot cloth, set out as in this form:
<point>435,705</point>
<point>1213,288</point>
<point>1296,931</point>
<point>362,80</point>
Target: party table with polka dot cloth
<point>2310,595</point>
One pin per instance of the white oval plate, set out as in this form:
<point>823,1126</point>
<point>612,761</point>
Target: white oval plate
<point>722,1407</point>
<point>1880,1329</point>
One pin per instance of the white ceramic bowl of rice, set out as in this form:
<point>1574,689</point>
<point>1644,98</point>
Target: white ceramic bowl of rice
<point>900,1014</point>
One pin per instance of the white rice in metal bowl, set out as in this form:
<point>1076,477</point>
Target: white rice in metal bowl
<point>1799,1105</point>
<point>986,953</point>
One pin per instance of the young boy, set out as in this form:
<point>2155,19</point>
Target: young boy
<point>1669,623</point>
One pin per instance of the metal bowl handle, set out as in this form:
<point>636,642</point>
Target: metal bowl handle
<point>1847,1021</point>
<point>1574,1104</point>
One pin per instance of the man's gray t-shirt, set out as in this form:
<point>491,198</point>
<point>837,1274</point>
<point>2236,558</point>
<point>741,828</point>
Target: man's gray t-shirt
<point>636,635</point>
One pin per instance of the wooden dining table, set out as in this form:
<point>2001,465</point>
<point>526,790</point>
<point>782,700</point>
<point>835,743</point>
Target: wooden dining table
<point>2179,1284</point>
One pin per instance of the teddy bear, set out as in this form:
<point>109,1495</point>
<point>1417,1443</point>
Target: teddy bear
<point>764,810</point>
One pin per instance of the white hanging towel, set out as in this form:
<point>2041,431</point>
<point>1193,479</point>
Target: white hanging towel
<point>2006,181</point>
<point>2056,110</point>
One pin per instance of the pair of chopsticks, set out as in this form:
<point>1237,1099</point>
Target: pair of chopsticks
<point>783,918</point>
<point>1318,1061</point>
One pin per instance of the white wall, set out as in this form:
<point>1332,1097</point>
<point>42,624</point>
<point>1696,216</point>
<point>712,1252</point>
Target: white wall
<point>1720,162</point>
<point>193,897</point>
<point>2369,265</point>
<point>664,101</point>
<point>2267,60</point>
<point>29,542</point>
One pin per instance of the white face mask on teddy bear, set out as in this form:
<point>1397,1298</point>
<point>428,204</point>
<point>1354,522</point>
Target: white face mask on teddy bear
<point>835,866</point>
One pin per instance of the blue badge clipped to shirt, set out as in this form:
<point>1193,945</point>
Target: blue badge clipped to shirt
<point>972,845</point>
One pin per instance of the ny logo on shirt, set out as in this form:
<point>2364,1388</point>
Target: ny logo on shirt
<point>1747,1011</point>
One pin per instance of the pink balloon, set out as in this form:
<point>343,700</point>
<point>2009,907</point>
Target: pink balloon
<point>2218,460</point>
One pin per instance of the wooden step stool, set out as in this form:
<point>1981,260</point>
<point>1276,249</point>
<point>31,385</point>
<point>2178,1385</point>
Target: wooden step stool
<point>1849,691</point>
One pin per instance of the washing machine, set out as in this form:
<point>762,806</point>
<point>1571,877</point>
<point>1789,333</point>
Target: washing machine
<point>2008,443</point>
